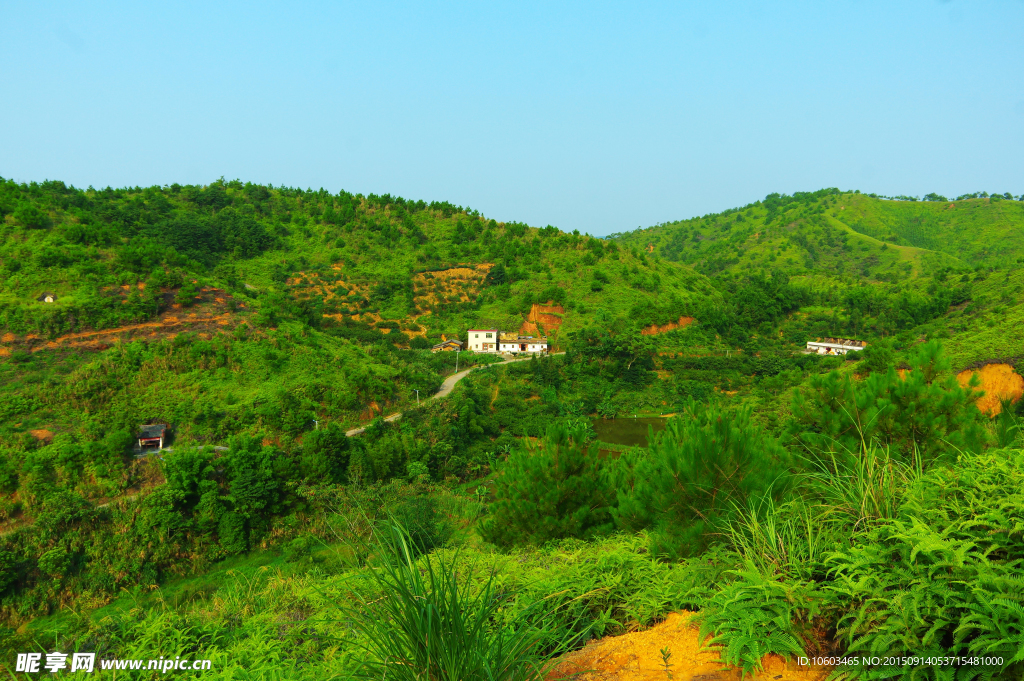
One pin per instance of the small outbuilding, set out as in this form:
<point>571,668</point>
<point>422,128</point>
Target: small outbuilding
<point>447,346</point>
<point>152,435</point>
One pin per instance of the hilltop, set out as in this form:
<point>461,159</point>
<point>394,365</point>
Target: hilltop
<point>846,235</point>
<point>382,263</point>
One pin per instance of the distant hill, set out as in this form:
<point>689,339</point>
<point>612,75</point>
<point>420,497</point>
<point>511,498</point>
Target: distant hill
<point>844,235</point>
<point>352,263</point>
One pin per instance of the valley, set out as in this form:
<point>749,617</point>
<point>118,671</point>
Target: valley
<point>674,454</point>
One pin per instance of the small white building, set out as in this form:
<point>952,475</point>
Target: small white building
<point>482,340</point>
<point>514,344</point>
<point>835,346</point>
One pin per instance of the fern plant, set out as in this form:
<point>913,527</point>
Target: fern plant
<point>945,578</point>
<point>760,614</point>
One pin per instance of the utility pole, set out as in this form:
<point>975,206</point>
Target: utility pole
<point>457,360</point>
<point>417,396</point>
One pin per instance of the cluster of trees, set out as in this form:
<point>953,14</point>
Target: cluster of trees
<point>712,462</point>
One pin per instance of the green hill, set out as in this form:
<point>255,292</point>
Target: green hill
<point>266,321</point>
<point>844,235</point>
<point>112,256</point>
<point>238,308</point>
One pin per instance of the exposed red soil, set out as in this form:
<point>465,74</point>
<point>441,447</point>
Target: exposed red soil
<point>542,320</point>
<point>655,329</point>
<point>42,434</point>
<point>637,657</point>
<point>999,381</point>
<point>209,315</point>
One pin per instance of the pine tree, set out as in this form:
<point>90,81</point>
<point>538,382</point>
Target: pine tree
<point>916,414</point>
<point>552,490</point>
<point>693,476</point>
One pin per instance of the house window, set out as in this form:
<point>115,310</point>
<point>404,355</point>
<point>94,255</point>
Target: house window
<point>488,336</point>
<point>476,335</point>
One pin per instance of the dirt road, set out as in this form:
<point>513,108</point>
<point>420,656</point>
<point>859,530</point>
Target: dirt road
<point>446,388</point>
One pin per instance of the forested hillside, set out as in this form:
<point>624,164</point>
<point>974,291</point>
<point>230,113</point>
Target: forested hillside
<point>785,496</point>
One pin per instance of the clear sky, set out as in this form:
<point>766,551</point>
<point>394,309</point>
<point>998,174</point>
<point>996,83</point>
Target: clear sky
<point>595,116</point>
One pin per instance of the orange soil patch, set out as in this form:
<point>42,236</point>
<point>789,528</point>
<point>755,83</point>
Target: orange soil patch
<point>637,657</point>
<point>999,381</point>
<point>371,412</point>
<point>167,326</point>
<point>461,282</point>
<point>41,434</point>
<point>655,329</point>
<point>544,319</point>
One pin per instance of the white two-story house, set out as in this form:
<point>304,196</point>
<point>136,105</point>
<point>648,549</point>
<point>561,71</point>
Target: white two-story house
<point>482,340</point>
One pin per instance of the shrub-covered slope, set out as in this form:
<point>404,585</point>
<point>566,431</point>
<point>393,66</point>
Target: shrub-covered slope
<point>113,257</point>
<point>846,235</point>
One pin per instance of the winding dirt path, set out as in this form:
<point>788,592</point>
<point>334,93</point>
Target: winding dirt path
<point>446,387</point>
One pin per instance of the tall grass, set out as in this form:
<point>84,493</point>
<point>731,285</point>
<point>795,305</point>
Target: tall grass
<point>865,485</point>
<point>791,538</point>
<point>428,621</point>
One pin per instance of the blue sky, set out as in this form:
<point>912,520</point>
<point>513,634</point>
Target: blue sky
<point>595,116</point>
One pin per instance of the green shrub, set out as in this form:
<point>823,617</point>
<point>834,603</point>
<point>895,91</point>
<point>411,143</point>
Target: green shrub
<point>426,528</point>
<point>55,562</point>
<point>420,343</point>
<point>425,621</point>
<point>552,490</point>
<point>917,415</point>
<point>693,476</point>
<point>760,614</point>
<point>942,579</point>
<point>325,454</point>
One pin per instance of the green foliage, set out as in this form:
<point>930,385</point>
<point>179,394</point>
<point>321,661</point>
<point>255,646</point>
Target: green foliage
<point>758,614</point>
<point>429,624</point>
<point>552,490</point>
<point>918,414</point>
<point>943,579</point>
<point>693,475</point>
<point>423,524</point>
<point>325,454</point>
<point>877,357</point>
<point>55,562</point>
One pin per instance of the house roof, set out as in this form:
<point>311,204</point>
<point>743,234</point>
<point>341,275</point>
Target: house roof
<point>845,342</point>
<point>153,430</point>
<point>449,342</point>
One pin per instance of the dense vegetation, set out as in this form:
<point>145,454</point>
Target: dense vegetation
<point>803,504</point>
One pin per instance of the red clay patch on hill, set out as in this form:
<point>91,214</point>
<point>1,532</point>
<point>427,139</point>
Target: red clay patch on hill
<point>42,434</point>
<point>999,381</point>
<point>637,657</point>
<point>543,319</point>
<point>209,316</point>
<point>655,329</point>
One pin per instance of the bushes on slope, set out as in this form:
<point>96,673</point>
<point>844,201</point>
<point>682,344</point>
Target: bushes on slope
<point>693,476</point>
<point>552,490</point>
<point>916,414</point>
